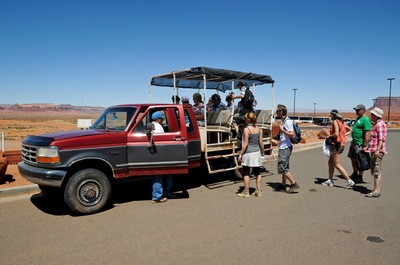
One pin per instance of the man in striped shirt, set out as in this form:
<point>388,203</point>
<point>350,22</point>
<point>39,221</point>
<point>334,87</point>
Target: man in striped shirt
<point>377,148</point>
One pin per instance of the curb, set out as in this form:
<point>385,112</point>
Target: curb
<point>21,190</point>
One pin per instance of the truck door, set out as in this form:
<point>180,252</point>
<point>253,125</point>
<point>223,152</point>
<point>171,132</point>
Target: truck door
<point>167,153</point>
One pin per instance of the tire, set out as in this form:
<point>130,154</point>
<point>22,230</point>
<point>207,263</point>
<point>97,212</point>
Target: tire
<point>88,191</point>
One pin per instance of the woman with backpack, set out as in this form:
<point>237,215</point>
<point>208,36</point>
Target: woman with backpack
<point>338,132</point>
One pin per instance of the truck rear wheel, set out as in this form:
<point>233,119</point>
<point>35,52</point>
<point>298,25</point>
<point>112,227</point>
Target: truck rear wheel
<point>87,191</point>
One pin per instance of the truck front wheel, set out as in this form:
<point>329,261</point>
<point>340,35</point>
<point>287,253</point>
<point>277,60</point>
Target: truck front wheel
<point>87,191</point>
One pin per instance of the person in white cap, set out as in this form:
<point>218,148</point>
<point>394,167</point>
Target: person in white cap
<point>377,148</point>
<point>360,135</point>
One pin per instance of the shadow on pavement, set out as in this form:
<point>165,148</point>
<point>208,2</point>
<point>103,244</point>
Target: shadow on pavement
<point>139,190</point>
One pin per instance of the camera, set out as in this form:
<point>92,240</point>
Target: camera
<point>337,145</point>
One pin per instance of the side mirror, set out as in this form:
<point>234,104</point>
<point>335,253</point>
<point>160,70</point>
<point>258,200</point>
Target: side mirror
<point>150,127</point>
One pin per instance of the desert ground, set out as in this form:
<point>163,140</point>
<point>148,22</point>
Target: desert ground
<point>18,124</point>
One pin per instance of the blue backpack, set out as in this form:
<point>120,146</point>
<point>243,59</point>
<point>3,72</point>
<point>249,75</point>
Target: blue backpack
<point>297,133</point>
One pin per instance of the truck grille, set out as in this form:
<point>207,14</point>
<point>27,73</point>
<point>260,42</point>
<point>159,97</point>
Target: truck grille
<point>29,153</point>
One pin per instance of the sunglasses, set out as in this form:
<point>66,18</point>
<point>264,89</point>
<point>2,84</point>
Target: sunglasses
<point>278,110</point>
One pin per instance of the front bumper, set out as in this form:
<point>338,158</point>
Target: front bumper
<point>42,176</point>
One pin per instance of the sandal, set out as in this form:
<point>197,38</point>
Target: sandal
<point>160,200</point>
<point>373,194</point>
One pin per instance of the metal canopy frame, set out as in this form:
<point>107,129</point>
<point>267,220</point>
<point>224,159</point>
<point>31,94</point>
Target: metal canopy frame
<point>205,78</point>
<point>220,80</point>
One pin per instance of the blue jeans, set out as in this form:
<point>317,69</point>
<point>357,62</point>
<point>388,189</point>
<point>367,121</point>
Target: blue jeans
<point>161,186</point>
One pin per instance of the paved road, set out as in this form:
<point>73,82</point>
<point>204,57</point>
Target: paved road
<point>209,224</point>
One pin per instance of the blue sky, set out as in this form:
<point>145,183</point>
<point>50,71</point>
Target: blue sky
<point>337,53</point>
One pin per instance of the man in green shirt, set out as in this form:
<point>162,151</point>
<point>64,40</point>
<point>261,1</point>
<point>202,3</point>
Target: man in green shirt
<point>360,135</point>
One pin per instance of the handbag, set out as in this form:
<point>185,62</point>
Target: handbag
<point>363,161</point>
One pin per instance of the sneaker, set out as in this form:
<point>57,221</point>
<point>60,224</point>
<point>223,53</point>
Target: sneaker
<point>349,184</point>
<point>373,194</point>
<point>244,194</point>
<point>257,193</point>
<point>359,179</point>
<point>293,187</point>
<point>328,183</point>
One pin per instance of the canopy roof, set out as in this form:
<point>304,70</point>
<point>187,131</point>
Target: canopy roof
<point>213,78</point>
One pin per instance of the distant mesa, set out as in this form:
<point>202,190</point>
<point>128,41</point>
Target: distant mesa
<point>383,103</point>
<point>48,107</point>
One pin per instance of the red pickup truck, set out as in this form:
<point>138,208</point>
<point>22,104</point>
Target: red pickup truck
<point>84,164</point>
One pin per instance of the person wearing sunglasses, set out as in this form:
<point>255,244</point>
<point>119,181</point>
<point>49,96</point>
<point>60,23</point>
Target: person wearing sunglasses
<point>285,148</point>
<point>360,134</point>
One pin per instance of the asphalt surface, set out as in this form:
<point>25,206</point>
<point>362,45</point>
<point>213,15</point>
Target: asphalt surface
<point>209,224</point>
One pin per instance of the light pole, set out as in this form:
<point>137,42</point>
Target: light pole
<point>315,104</point>
<point>374,100</point>
<point>294,102</point>
<point>390,96</point>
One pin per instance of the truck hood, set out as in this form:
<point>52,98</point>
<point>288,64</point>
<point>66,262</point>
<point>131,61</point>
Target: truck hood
<point>78,138</point>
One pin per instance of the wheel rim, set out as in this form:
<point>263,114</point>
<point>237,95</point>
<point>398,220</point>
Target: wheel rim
<point>89,192</point>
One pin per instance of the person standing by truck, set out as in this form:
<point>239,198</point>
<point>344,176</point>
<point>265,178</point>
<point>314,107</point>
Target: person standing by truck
<point>251,155</point>
<point>377,148</point>
<point>285,148</point>
<point>338,131</point>
<point>360,134</point>
<point>161,183</point>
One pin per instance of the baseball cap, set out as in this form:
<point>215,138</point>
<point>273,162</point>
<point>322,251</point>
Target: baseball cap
<point>156,115</point>
<point>243,83</point>
<point>359,106</point>
<point>185,99</point>
<point>377,112</point>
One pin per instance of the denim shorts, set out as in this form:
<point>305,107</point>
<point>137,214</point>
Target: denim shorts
<point>283,159</point>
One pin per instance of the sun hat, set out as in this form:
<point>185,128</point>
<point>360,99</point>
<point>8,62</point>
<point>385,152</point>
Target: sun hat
<point>359,107</point>
<point>336,113</point>
<point>377,112</point>
<point>156,115</point>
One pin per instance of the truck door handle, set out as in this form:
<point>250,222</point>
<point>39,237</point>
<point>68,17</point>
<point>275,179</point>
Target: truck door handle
<point>179,138</point>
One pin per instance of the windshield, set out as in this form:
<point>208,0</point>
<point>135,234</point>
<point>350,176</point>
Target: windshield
<point>114,119</point>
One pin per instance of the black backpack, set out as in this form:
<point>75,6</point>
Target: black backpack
<point>248,99</point>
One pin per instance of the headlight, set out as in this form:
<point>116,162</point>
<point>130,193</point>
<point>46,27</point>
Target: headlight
<point>47,155</point>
